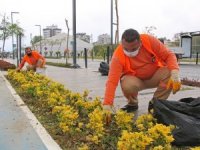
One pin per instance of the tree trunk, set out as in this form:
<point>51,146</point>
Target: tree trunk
<point>117,17</point>
<point>4,41</point>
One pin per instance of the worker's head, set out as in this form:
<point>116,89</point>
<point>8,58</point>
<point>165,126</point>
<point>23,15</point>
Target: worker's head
<point>131,42</point>
<point>28,51</point>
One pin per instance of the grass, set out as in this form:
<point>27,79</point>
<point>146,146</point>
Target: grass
<point>189,60</point>
<point>68,65</point>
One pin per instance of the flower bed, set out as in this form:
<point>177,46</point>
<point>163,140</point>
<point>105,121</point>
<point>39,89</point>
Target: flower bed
<point>75,122</point>
<point>4,65</point>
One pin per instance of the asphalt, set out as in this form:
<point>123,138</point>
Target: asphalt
<point>19,127</point>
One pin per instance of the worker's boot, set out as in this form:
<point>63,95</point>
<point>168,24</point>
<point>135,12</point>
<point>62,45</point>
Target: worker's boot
<point>131,106</point>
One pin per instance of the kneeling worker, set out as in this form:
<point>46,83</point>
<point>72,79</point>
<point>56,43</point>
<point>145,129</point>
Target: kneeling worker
<point>34,60</point>
<point>141,62</point>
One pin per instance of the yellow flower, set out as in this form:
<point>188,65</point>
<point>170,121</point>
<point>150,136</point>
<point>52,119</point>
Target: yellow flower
<point>80,124</point>
<point>161,135</point>
<point>195,148</point>
<point>133,140</point>
<point>83,147</point>
<point>158,148</point>
<point>124,120</point>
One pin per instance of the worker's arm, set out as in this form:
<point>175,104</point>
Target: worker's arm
<point>164,53</point>
<point>21,64</point>
<point>171,62</point>
<point>115,72</point>
<point>44,60</point>
<point>39,57</point>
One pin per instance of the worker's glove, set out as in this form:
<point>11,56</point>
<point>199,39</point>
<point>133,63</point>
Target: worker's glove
<point>174,82</point>
<point>108,110</point>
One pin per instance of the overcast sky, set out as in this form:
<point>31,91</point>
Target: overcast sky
<point>93,16</point>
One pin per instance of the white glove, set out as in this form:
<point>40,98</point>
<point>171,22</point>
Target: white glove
<point>174,82</point>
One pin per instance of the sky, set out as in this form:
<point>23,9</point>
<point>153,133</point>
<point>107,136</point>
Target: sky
<point>93,16</point>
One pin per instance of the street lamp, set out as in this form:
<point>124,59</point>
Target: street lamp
<point>75,65</point>
<point>40,38</point>
<point>12,33</point>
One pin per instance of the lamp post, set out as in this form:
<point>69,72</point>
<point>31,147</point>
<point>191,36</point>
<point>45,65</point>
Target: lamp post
<point>12,33</point>
<point>40,38</point>
<point>75,65</point>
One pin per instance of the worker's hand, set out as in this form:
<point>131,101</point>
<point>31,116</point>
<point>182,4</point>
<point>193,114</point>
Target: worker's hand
<point>108,111</point>
<point>174,82</point>
<point>18,69</point>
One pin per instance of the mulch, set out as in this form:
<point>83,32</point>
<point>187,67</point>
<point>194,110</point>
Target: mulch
<point>4,65</point>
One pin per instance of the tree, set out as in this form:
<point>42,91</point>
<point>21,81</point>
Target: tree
<point>52,43</point>
<point>66,52</point>
<point>177,38</point>
<point>117,24</point>
<point>5,32</point>
<point>35,40</point>
<point>15,29</point>
<point>60,43</point>
<point>58,53</point>
<point>45,53</point>
<point>51,53</point>
<point>7,29</point>
<point>149,30</point>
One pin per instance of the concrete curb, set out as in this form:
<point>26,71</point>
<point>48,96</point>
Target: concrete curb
<point>37,126</point>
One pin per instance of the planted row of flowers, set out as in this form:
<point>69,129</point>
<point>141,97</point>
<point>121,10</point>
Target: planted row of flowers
<point>76,122</point>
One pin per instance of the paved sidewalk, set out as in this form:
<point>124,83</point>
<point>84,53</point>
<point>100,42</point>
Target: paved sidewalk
<point>19,129</point>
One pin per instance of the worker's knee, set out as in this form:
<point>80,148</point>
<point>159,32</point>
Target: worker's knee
<point>40,61</point>
<point>130,84</point>
<point>30,67</point>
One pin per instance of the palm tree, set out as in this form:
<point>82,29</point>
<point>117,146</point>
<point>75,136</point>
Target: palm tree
<point>16,29</point>
<point>5,31</point>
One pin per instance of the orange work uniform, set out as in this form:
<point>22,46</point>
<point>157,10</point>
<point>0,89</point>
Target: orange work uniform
<point>33,59</point>
<point>152,55</point>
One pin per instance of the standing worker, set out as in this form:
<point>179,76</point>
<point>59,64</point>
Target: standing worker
<point>34,60</point>
<point>141,62</point>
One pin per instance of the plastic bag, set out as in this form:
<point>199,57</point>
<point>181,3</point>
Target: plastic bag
<point>185,115</point>
<point>104,68</point>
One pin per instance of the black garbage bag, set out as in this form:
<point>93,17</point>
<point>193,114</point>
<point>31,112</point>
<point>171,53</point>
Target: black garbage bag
<point>185,115</point>
<point>104,68</point>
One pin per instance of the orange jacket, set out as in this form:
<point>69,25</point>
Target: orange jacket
<point>32,60</point>
<point>152,55</point>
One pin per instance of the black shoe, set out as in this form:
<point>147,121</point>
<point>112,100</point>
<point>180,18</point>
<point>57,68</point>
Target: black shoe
<point>130,108</point>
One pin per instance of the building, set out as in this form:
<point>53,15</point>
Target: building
<point>83,37</point>
<point>50,31</point>
<point>59,43</point>
<point>190,42</point>
<point>103,39</point>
